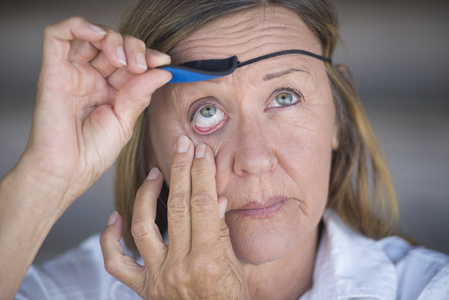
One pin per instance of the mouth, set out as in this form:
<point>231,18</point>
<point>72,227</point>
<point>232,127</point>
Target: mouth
<point>258,210</point>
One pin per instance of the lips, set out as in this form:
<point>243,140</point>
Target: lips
<point>257,210</point>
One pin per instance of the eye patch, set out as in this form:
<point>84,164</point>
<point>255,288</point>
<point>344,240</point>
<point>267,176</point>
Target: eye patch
<point>201,70</point>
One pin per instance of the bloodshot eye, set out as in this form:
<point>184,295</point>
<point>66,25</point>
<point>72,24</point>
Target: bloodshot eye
<point>208,118</point>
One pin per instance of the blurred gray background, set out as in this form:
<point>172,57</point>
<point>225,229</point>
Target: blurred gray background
<point>398,53</point>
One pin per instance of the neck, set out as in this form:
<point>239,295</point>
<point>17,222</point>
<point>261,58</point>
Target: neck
<point>287,278</point>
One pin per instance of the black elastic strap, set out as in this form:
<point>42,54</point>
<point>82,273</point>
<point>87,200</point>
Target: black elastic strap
<point>284,52</point>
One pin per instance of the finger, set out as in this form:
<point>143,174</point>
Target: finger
<point>203,203</point>
<point>135,51</point>
<point>135,95</point>
<point>122,267</point>
<point>102,65</point>
<point>225,237</point>
<point>56,44</point>
<point>145,232</point>
<point>121,76</point>
<point>82,50</point>
<point>178,210</point>
<point>155,58</point>
<point>112,46</point>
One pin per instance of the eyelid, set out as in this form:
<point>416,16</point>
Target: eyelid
<point>207,130</point>
<point>196,106</point>
<point>285,89</point>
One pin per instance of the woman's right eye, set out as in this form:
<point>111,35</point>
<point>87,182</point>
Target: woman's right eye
<point>208,118</point>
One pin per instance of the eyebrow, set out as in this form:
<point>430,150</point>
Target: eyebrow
<point>280,74</point>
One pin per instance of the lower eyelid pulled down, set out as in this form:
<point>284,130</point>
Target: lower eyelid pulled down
<point>209,124</point>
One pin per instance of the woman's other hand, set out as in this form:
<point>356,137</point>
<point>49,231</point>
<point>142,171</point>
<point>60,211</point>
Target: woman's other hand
<point>199,262</point>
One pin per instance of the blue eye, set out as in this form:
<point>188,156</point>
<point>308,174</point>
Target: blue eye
<point>208,111</point>
<point>284,98</point>
<point>208,119</point>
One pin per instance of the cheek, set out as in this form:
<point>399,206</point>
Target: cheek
<point>161,153</point>
<point>306,151</point>
<point>162,135</point>
<point>309,167</point>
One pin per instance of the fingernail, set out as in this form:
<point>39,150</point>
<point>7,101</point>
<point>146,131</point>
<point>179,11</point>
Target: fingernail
<point>200,150</point>
<point>141,61</point>
<point>97,29</point>
<point>112,218</point>
<point>222,208</point>
<point>121,56</point>
<point>182,144</point>
<point>154,174</point>
<point>162,57</point>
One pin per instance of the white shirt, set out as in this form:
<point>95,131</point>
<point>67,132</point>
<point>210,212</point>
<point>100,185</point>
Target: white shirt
<point>348,266</point>
<point>352,266</point>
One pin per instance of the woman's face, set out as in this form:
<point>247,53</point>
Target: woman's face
<point>271,126</point>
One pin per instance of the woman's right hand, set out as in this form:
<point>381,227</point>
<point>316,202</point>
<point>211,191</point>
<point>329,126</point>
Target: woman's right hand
<point>93,85</point>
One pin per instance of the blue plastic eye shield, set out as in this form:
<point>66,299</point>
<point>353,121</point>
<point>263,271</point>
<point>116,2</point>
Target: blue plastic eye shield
<point>201,70</point>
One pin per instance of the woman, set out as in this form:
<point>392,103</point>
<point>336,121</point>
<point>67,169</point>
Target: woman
<point>259,177</point>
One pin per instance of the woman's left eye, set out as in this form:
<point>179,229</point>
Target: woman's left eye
<point>208,118</point>
<point>284,98</point>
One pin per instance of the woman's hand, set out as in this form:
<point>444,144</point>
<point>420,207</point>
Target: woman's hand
<point>93,85</point>
<point>199,262</point>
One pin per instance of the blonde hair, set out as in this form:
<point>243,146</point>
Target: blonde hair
<point>360,190</point>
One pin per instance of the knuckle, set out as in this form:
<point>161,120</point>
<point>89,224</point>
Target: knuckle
<point>224,232</point>
<point>76,20</point>
<point>112,267</point>
<point>200,169</point>
<point>48,30</point>
<point>177,204</point>
<point>144,191</point>
<point>203,201</point>
<point>140,229</point>
<point>181,166</point>
<point>114,36</point>
<point>134,42</point>
<point>206,266</point>
<point>177,277</point>
<point>103,238</point>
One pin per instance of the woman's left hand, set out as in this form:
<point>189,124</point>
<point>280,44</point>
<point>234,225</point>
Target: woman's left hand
<point>199,262</point>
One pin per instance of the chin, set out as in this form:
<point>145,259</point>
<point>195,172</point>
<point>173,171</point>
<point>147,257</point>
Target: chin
<point>258,244</point>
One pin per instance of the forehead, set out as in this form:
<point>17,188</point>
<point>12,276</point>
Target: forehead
<point>247,34</point>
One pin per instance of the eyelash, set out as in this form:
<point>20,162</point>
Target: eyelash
<point>283,90</point>
<point>273,96</point>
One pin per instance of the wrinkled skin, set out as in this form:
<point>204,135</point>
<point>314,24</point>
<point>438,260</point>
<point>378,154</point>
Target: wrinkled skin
<point>267,163</point>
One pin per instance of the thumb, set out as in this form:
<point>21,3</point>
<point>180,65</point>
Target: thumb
<point>136,94</point>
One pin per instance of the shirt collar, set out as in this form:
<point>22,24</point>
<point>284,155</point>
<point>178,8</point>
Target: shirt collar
<point>350,265</point>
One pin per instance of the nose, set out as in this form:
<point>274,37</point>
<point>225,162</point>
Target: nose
<point>253,155</point>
